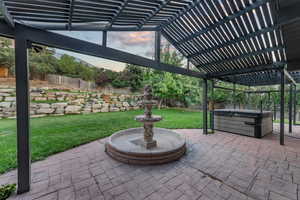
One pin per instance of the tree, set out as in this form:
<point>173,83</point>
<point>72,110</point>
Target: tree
<point>42,63</point>
<point>133,77</point>
<point>7,55</point>
<point>67,65</point>
<point>85,72</point>
<point>105,76</point>
<point>168,86</point>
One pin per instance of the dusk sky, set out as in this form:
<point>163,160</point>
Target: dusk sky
<point>139,43</point>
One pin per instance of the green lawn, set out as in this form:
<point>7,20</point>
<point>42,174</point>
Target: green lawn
<point>286,121</point>
<point>50,135</point>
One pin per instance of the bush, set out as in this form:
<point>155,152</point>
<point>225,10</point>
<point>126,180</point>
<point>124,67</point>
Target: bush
<point>6,191</point>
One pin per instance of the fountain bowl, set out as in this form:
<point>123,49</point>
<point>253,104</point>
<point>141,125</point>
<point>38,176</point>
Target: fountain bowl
<point>127,146</point>
<point>144,118</point>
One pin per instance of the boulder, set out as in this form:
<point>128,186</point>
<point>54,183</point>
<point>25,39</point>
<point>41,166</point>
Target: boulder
<point>60,98</point>
<point>125,104</point>
<point>119,104</point>
<point>44,105</point>
<point>45,111</point>
<point>73,109</point>
<point>5,104</point>
<point>8,109</point>
<point>122,97</point>
<point>59,111</point>
<point>4,94</point>
<point>106,98</point>
<point>51,98</point>
<point>34,105</point>
<point>105,107</point>
<point>94,100</point>
<point>97,106</point>
<point>133,103</point>
<point>10,98</point>
<point>7,90</point>
<point>40,98</point>
<point>77,102</point>
<point>35,94</point>
<point>32,112</point>
<point>59,105</point>
<point>87,109</point>
<point>114,109</point>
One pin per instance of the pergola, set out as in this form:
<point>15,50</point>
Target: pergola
<point>247,42</point>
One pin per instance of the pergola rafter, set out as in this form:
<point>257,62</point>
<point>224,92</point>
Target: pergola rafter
<point>115,18</point>
<point>160,7</point>
<point>223,21</point>
<point>7,16</point>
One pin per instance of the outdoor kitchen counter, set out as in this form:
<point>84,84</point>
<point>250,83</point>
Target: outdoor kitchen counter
<point>244,122</point>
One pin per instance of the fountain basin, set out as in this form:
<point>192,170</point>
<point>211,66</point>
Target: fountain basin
<point>126,146</point>
<point>143,118</point>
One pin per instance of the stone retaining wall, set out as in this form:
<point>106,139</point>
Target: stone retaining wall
<point>46,102</point>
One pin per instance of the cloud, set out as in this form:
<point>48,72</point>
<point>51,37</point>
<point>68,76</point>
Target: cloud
<point>138,43</point>
<point>132,38</point>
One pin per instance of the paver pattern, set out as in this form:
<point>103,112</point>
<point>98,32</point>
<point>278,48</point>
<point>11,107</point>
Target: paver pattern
<point>218,166</point>
<point>295,130</point>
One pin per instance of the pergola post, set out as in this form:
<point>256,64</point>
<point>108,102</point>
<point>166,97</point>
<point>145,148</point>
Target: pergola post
<point>291,108</point>
<point>22,99</point>
<point>234,90</point>
<point>157,46</point>
<point>295,104</point>
<point>104,38</point>
<point>282,82</point>
<point>269,101</point>
<point>275,110</point>
<point>204,106</point>
<point>212,113</point>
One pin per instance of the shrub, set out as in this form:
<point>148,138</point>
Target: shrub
<point>6,191</point>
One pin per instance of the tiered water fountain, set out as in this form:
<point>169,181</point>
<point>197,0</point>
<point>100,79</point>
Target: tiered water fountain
<point>146,145</point>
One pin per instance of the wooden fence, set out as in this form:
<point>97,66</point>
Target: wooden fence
<point>70,82</point>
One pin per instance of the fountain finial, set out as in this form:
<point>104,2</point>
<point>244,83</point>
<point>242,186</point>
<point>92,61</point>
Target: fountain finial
<point>148,93</point>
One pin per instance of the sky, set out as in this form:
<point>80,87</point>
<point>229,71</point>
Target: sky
<point>139,43</point>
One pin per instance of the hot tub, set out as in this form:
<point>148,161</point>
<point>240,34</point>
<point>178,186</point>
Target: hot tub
<point>244,122</point>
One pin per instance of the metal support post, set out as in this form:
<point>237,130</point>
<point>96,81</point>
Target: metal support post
<point>104,38</point>
<point>157,46</point>
<point>205,106</point>
<point>295,104</point>
<point>234,97</point>
<point>282,82</point>
<point>291,109</point>
<point>212,120</point>
<point>22,99</point>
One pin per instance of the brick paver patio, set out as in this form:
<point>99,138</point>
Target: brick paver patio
<point>217,167</point>
<point>295,130</point>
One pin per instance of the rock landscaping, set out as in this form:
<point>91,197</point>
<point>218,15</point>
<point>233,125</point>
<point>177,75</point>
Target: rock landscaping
<point>60,102</point>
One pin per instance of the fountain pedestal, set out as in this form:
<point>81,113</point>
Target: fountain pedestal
<point>148,140</point>
<point>147,145</point>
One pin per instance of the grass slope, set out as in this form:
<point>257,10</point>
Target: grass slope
<point>50,135</point>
